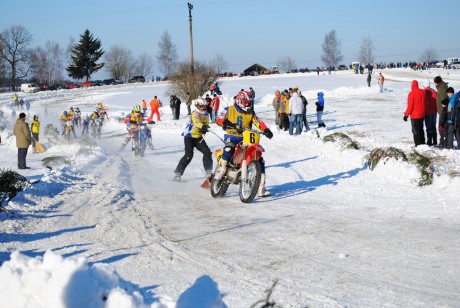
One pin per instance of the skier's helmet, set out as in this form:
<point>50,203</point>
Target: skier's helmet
<point>201,103</point>
<point>243,100</point>
<point>137,109</point>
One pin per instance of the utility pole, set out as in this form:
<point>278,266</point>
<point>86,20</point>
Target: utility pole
<point>190,7</point>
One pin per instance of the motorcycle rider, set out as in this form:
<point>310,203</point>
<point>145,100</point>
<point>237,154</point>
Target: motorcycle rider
<point>233,119</point>
<point>64,118</point>
<point>193,138</point>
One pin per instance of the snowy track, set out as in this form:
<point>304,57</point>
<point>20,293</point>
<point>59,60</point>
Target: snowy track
<point>333,233</point>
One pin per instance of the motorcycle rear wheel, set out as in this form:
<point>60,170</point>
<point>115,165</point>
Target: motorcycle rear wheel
<point>218,187</point>
<point>249,188</point>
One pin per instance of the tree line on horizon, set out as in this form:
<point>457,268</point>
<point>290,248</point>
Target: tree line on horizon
<point>18,61</point>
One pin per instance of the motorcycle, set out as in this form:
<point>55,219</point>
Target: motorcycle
<point>244,168</point>
<point>141,139</point>
<point>96,128</point>
<point>68,129</point>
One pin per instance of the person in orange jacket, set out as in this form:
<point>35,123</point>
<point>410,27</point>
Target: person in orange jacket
<point>144,107</point>
<point>154,105</point>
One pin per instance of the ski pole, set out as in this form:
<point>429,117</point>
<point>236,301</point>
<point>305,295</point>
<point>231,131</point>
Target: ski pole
<point>212,131</point>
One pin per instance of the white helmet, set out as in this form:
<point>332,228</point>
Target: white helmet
<point>200,103</point>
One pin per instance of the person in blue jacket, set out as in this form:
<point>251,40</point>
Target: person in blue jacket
<point>320,109</point>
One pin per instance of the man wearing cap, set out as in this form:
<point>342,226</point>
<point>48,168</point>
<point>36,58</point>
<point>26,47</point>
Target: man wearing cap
<point>23,139</point>
<point>295,107</point>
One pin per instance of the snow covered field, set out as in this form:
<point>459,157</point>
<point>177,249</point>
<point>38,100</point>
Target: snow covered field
<point>113,229</point>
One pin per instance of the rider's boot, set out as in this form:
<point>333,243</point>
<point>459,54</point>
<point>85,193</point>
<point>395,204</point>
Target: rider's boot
<point>262,192</point>
<point>221,170</point>
<point>177,177</point>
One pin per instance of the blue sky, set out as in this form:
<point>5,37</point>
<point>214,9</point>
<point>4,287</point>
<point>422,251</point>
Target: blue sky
<point>245,32</point>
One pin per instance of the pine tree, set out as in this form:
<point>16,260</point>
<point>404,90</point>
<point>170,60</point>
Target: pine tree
<point>85,54</point>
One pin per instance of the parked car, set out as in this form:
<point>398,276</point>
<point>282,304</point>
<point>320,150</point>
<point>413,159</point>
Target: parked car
<point>70,85</point>
<point>86,84</point>
<point>136,79</point>
<point>342,67</point>
<point>97,83</point>
<point>111,81</point>
<point>454,65</point>
<point>44,87</point>
<point>29,87</point>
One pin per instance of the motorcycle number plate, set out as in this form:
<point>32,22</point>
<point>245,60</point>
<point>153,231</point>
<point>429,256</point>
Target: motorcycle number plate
<point>250,137</point>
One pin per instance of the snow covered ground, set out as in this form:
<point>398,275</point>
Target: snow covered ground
<point>113,229</point>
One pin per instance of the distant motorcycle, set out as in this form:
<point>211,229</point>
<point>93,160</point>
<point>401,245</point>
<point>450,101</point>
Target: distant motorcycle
<point>141,139</point>
<point>244,168</point>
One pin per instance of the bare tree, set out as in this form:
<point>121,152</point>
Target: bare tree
<point>55,61</point>
<point>144,65</point>
<point>167,54</point>
<point>38,67</point>
<point>366,54</point>
<point>219,63</point>
<point>286,64</point>
<point>332,53</point>
<point>182,81</point>
<point>429,54</point>
<point>15,51</point>
<point>119,62</point>
<point>46,64</point>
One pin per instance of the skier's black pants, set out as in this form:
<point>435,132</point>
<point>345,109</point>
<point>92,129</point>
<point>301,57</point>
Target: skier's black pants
<point>417,131</point>
<point>200,145</point>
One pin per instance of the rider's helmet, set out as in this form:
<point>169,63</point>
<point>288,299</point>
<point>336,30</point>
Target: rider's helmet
<point>137,109</point>
<point>64,113</point>
<point>77,109</point>
<point>71,108</point>
<point>201,103</point>
<point>243,100</point>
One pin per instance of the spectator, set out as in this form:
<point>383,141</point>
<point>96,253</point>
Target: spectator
<point>295,108</point>
<point>450,117</point>
<point>369,78</point>
<point>381,81</point>
<point>35,128</point>
<point>441,99</point>
<point>188,103</point>
<point>416,106</point>
<point>276,106</point>
<point>283,111</point>
<point>215,104</point>
<point>430,114</point>
<point>304,112</point>
<point>253,97</point>
<point>144,107</point>
<point>154,109</point>
<point>23,139</point>
<point>320,109</point>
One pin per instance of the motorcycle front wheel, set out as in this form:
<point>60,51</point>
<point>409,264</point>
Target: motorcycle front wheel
<point>249,188</point>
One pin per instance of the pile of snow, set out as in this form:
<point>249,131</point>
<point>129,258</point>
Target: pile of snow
<point>54,281</point>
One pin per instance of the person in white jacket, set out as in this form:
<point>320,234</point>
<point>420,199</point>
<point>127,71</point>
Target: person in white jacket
<point>295,107</point>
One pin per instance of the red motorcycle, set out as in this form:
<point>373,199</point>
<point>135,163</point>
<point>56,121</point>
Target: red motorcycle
<point>244,168</point>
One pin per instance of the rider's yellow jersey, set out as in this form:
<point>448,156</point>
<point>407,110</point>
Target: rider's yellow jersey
<point>245,120</point>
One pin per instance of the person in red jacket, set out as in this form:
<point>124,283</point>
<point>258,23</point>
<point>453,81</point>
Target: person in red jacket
<point>431,113</point>
<point>416,106</point>
<point>215,103</point>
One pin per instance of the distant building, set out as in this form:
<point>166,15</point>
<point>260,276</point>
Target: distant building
<point>254,70</point>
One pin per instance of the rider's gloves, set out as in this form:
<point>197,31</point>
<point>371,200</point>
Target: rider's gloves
<point>268,133</point>
<point>204,129</point>
<point>227,123</point>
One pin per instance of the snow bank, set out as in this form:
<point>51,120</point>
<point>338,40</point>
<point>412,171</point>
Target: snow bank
<point>53,281</point>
